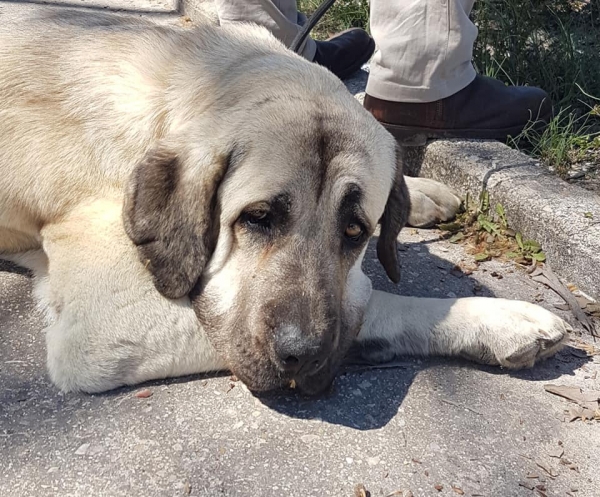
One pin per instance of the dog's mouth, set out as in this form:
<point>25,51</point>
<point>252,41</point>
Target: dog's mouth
<point>313,386</point>
<point>274,381</point>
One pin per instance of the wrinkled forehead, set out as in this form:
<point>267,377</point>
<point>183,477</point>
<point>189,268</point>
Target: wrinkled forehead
<point>314,153</point>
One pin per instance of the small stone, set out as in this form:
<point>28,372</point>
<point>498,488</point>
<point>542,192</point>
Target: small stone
<point>82,450</point>
<point>309,438</point>
<point>557,453</point>
<point>349,460</point>
<point>143,394</point>
<point>53,469</point>
<point>577,175</point>
<point>178,448</point>
<point>94,449</point>
<point>372,461</point>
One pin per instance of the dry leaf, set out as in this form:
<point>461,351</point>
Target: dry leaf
<point>526,484</point>
<point>587,400</point>
<point>361,491</point>
<point>547,469</point>
<point>439,487</point>
<point>581,413</point>
<point>590,349</point>
<point>548,278</point>
<point>569,464</point>
<point>575,352</point>
<point>458,490</point>
<point>558,452</point>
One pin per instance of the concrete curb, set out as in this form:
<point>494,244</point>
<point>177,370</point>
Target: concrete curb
<point>538,204</point>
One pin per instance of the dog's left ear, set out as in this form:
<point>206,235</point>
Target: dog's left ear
<point>393,220</point>
<point>170,214</point>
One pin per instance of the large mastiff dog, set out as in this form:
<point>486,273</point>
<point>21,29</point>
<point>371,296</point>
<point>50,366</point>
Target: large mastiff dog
<point>201,199</point>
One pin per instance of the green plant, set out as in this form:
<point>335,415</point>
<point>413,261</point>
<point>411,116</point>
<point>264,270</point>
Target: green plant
<point>342,15</point>
<point>528,250</point>
<point>486,234</point>
<point>554,45</point>
<point>563,142</point>
<point>551,44</point>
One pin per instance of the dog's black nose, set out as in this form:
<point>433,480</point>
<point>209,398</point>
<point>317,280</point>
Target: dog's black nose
<point>297,352</point>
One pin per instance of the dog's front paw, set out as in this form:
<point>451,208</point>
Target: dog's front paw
<point>431,202</point>
<point>520,334</point>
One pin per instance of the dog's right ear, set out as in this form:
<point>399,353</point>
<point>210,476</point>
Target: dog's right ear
<point>170,215</point>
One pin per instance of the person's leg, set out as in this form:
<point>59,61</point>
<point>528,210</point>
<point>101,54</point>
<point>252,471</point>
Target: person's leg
<point>422,82</point>
<point>342,54</point>
<point>424,49</point>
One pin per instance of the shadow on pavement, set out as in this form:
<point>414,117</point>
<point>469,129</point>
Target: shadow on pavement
<point>363,400</point>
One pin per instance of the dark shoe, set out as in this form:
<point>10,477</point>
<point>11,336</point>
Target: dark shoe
<point>485,109</point>
<point>346,52</point>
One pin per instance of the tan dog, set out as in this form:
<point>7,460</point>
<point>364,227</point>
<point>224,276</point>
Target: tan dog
<point>195,200</point>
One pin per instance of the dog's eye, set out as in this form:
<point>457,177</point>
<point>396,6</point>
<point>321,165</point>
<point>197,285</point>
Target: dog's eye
<point>256,218</point>
<point>354,232</point>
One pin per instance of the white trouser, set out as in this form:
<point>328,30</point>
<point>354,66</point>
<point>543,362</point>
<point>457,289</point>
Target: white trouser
<point>424,46</point>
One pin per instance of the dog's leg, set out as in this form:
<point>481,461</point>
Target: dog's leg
<point>111,326</point>
<point>431,202</point>
<point>509,333</point>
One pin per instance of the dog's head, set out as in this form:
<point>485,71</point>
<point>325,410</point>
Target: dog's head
<point>264,220</point>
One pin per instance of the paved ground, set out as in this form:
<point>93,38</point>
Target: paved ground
<point>426,423</point>
<point>417,426</point>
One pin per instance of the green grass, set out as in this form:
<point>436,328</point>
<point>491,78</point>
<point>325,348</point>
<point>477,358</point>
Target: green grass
<point>553,44</point>
<point>343,15</point>
<point>567,140</point>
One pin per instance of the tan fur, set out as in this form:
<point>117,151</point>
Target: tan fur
<point>188,129</point>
